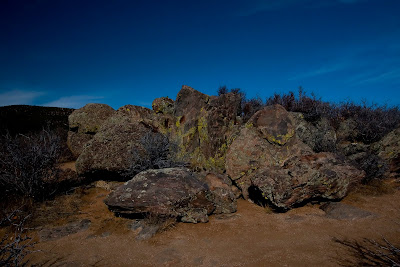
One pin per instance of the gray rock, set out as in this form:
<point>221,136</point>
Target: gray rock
<point>173,192</point>
<point>341,211</point>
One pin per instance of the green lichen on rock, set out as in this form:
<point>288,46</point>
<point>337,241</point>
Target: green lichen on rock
<point>280,139</point>
<point>202,128</point>
<point>163,105</point>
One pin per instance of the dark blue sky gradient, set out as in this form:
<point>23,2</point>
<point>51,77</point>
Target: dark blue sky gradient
<point>71,52</point>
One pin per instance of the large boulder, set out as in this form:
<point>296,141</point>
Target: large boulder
<point>268,139</point>
<point>315,176</point>
<point>84,124</point>
<point>268,159</point>
<point>109,154</point>
<point>389,149</point>
<point>171,192</point>
<point>204,126</point>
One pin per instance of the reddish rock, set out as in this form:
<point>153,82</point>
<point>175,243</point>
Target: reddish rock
<point>275,124</point>
<point>224,198</point>
<point>262,143</point>
<point>301,178</point>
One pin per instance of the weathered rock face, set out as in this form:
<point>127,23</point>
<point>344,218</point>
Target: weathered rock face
<point>274,123</point>
<point>389,149</point>
<point>320,135</point>
<point>267,160</point>
<point>223,193</point>
<point>321,175</point>
<point>163,105</point>
<point>109,153</point>
<point>204,126</point>
<point>263,143</point>
<point>84,124</point>
<point>165,192</point>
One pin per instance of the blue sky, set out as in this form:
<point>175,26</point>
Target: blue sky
<point>67,53</point>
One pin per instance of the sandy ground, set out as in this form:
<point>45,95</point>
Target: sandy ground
<point>253,236</point>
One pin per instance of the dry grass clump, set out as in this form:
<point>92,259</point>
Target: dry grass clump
<point>369,252</point>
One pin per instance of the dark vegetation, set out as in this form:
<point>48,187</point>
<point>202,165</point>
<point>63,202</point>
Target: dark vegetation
<point>28,164</point>
<point>159,152</point>
<point>24,119</point>
<point>14,247</point>
<point>32,144</point>
<point>372,121</point>
<point>369,252</point>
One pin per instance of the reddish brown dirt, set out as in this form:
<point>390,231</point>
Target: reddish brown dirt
<point>251,237</point>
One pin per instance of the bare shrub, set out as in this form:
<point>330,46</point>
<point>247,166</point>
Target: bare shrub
<point>312,108</point>
<point>373,165</point>
<point>222,90</point>
<point>159,153</point>
<point>14,247</point>
<point>28,164</point>
<point>372,121</point>
<point>369,252</point>
<point>251,106</point>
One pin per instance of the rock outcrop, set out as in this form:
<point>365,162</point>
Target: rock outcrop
<point>109,154</point>
<point>315,176</point>
<point>389,149</point>
<point>163,105</point>
<point>173,192</point>
<point>84,123</point>
<point>319,135</point>
<point>204,127</point>
<point>268,161</point>
<point>268,139</point>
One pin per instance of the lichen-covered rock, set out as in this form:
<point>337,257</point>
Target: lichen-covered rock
<point>204,127</point>
<point>109,153</point>
<point>319,135</point>
<point>322,175</point>
<point>389,149</point>
<point>173,192</point>
<point>163,105</point>
<point>223,195</point>
<point>84,123</point>
<point>274,123</point>
<point>263,143</point>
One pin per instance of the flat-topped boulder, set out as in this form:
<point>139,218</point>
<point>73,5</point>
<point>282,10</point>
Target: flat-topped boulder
<point>173,192</point>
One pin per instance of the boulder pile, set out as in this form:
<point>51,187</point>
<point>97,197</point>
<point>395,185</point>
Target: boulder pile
<point>275,158</point>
